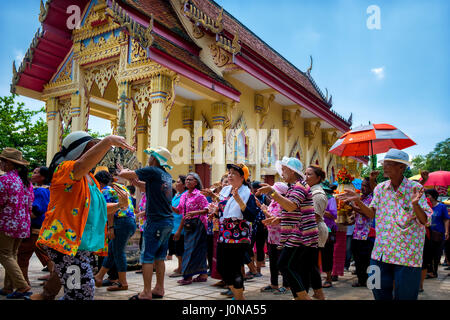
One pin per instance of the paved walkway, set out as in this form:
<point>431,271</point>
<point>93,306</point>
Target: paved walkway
<point>435,289</point>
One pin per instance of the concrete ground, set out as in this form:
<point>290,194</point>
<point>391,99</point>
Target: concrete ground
<point>434,289</point>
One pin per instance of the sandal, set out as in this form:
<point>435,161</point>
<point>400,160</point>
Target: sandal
<point>200,279</point>
<point>117,286</point>
<point>3,292</point>
<point>184,282</point>
<point>156,296</point>
<point>268,289</point>
<point>175,275</point>
<point>220,284</point>
<point>18,295</point>
<point>136,297</point>
<point>282,290</point>
<point>327,284</point>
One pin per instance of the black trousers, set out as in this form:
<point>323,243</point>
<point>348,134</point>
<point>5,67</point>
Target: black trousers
<point>230,259</point>
<point>295,264</point>
<point>316,280</point>
<point>436,252</point>
<point>259,238</point>
<point>274,255</point>
<point>327,256</point>
<point>362,249</point>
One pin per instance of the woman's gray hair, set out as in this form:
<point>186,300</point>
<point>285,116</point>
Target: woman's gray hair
<point>199,185</point>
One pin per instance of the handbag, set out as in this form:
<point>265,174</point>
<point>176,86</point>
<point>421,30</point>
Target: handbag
<point>191,224</point>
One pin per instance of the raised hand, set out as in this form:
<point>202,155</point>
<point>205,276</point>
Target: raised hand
<point>348,195</point>
<point>118,141</point>
<point>206,192</point>
<point>264,189</point>
<point>417,193</point>
<point>122,195</point>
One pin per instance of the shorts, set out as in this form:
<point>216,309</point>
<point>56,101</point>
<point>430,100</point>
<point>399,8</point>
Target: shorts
<point>156,240</point>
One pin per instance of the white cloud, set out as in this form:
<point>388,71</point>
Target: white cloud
<point>18,57</point>
<point>378,72</point>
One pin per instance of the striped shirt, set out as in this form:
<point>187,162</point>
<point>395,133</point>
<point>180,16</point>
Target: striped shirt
<point>299,227</point>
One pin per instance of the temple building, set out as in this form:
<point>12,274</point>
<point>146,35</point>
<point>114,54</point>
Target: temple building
<point>183,74</point>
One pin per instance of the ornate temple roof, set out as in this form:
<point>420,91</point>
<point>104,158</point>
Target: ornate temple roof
<point>51,45</point>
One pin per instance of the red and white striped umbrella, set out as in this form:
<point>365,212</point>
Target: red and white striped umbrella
<point>371,139</point>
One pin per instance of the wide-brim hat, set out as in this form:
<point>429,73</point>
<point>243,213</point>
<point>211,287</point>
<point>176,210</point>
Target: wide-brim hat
<point>396,156</point>
<point>161,154</point>
<point>74,145</point>
<point>292,163</point>
<point>13,155</point>
<point>241,168</point>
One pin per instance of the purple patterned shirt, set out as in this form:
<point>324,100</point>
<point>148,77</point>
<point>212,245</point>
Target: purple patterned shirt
<point>362,223</point>
<point>16,202</point>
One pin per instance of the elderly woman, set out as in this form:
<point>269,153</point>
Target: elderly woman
<point>194,208</point>
<point>75,224</point>
<point>121,226</point>
<point>314,176</point>
<point>235,212</point>
<point>299,232</point>
<point>16,199</point>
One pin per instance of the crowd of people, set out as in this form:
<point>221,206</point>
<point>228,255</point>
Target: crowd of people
<point>78,221</point>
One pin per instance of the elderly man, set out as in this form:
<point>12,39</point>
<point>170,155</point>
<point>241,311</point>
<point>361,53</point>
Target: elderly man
<point>159,223</point>
<point>401,213</point>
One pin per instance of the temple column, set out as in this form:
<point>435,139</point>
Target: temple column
<point>142,141</point>
<point>130,116</point>
<point>259,108</point>
<point>161,89</point>
<point>188,124</point>
<point>219,112</point>
<point>76,112</point>
<point>54,128</point>
<point>287,124</point>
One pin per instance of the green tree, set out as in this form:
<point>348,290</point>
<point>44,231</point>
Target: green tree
<point>418,163</point>
<point>17,130</point>
<point>439,158</point>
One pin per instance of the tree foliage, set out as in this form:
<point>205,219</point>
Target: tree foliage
<point>438,159</point>
<point>18,130</point>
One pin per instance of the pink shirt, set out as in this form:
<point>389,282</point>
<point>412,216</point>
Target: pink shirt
<point>400,236</point>
<point>16,202</point>
<point>274,236</point>
<point>194,201</point>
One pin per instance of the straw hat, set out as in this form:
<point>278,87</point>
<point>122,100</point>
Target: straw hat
<point>13,155</point>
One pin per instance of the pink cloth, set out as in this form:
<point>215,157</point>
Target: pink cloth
<point>340,248</point>
<point>142,205</point>
<point>194,201</point>
<point>16,202</point>
<point>274,236</point>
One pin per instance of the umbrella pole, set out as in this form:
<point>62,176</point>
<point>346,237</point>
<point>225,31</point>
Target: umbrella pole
<point>372,157</point>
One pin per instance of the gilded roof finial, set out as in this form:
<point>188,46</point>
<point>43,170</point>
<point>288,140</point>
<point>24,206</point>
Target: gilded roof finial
<point>310,67</point>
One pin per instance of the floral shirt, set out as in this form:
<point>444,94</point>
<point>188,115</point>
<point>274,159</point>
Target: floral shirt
<point>111,197</point>
<point>194,201</point>
<point>141,220</point>
<point>16,202</point>
<point>362,223</point>
<point>399,235</point>
<point>274,236</point>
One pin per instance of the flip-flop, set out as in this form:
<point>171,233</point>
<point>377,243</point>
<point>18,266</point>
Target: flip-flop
<point>184,282</point>
<point>18,295</point>
<point>4,293</point>
<point>327,284</point>
<point>157,296</point>
<point>117,286</point>
<point>175,275</point>
<point>200,279</point>
<point>136,297</point>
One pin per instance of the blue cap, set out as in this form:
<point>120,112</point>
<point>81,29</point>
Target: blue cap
<point>397,156</point>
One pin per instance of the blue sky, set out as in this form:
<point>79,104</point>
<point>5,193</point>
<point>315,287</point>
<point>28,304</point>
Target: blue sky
<point>398,74</point>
